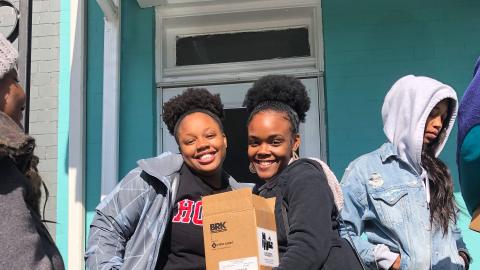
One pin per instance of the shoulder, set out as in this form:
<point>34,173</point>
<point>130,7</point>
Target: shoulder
<point>302,170</point>
<point>360,170</point>
<point>163,165</point>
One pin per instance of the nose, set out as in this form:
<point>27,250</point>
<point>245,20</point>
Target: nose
<point>437,122</point>
<point>263,150</point>
<point>202,144</point>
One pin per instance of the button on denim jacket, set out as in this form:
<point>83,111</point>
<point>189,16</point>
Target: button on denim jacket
<point>386,200</point>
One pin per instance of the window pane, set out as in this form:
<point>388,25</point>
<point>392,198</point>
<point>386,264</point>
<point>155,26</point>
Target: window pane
<point>244,46</point>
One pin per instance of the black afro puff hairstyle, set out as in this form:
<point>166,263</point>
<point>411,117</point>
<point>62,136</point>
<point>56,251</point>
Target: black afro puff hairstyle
<point>281,88</point>
<point>191,100</point>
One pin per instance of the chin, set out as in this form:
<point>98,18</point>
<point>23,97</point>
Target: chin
<point>210,169</point>
<point>265,177</point>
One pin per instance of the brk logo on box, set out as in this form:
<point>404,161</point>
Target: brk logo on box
<point>218,227</point>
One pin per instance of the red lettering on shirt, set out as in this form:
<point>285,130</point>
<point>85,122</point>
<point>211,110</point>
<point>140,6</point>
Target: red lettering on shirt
<point>189,211</point>
<point>197,214</point>
<point>184,211</point>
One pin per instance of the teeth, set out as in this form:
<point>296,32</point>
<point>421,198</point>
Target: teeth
<point>265,163</point>
<point>206,156</point>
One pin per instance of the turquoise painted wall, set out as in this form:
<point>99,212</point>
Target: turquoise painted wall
<point>369,45</point>
<point>138,94</point>
<point>94,96</point>
<point>63,127</point>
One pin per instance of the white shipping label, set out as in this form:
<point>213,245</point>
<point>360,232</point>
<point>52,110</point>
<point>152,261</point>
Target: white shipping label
<point>267,247</point>
<point>249,263</point>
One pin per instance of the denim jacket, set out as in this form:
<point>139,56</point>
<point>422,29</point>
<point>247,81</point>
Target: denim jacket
<point>386,200</point>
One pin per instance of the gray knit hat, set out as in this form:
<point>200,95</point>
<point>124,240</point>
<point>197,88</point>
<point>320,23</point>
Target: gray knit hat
<point>8,56</point>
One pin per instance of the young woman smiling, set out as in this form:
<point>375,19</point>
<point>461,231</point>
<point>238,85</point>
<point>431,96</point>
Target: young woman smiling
<point>305,210</point>
<point>401,195</point>
<point>153,218</point>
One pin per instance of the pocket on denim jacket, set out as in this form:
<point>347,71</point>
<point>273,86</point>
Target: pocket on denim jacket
<point>391,205</point>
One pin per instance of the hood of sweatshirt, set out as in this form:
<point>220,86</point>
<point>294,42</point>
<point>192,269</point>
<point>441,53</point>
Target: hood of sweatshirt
<point>405,111</point>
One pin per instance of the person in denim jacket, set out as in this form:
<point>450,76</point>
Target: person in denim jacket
<point>401,195</point>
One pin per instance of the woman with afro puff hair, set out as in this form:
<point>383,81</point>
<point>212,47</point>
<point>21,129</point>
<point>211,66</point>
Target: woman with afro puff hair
<point>152,219</point>
<point>308,196</point>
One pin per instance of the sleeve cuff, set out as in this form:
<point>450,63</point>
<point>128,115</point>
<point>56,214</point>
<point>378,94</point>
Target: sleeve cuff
<point>384,257</point>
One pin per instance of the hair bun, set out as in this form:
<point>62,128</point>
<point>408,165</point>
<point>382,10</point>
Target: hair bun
<point>190,100</point>
<point>281,88</point>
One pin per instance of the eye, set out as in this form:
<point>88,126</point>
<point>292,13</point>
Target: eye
<point>211,135</point>
<point>189,142</point>
<point>252,143</point>
<point>276,141</point>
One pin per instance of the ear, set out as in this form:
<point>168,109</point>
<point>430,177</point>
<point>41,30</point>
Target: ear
<point>225,140</point>
<point>296,142</point>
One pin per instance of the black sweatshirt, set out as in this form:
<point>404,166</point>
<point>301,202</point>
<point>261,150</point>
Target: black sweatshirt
<point>313,241</point>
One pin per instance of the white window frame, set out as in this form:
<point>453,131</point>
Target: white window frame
<point>189,17</point>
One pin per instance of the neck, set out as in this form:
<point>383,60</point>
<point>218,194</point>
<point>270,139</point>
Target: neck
<point>213,180</point>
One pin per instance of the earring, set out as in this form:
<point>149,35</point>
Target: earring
<point>295,155</point>
<point>251,168</point>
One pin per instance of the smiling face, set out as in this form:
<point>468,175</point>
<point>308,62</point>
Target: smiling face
<point>270,143</point>
<point>202,143</point>
<point>435,122</point>
<point>12,97</point>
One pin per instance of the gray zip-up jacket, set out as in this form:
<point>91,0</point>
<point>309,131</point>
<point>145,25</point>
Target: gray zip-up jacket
<point>128,228</point>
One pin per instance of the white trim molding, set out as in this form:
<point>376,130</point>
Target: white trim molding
<point>189,3</point>
<point>111,101</point>
<point>233,16</point>
<point>76,145</point>
<point>109,9</point>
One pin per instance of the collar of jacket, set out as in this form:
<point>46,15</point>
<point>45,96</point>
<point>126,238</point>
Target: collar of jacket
<point>388,150</point>
<point>13,140</point>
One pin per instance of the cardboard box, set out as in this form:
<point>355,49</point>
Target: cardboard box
<point>475,224</point>
<point>239,231</point>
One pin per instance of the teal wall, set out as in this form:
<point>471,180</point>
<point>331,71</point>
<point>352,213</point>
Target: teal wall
<point>137,95</point>
<point>94,97</point>
<point>369,45</point>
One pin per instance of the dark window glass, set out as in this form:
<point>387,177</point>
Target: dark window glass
<point>244,46</point>
<point>236,163</point>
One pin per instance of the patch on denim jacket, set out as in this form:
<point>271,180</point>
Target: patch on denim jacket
<point>375,180</point>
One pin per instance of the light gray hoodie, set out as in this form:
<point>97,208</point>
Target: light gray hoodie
<point>405,112</point>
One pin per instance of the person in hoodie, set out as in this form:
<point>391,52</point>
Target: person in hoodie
<point>400,196</point>
<point>153,217</point>
<point>468,146</point>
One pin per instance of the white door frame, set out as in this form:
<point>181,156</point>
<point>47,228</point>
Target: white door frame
<point>173,20</point>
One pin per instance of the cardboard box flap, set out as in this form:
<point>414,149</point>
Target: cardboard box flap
<point>263,204</point>
<point>233,201</point>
